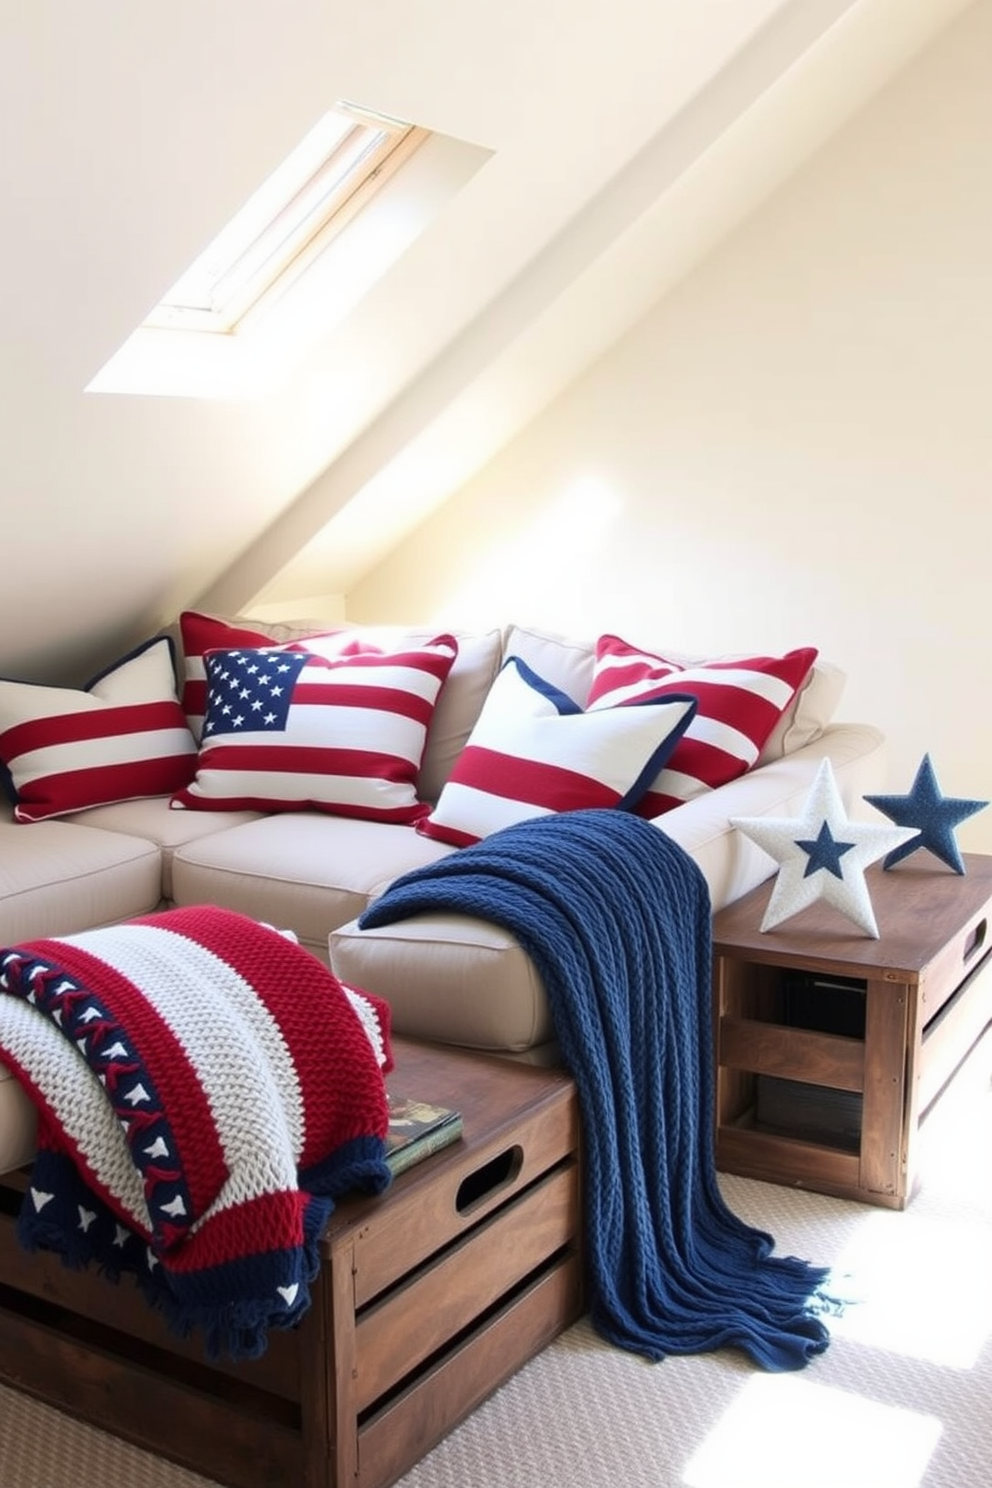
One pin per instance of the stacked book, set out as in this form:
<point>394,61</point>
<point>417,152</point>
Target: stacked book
<point>417,1129</point>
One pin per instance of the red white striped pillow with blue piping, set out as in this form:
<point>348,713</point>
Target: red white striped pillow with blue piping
<point>534,751</point>
<point>121,738</point>
<point>288,730</point>
<point>741,699</point>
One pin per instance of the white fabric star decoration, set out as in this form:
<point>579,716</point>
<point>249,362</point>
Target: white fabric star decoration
<point>821,854</point>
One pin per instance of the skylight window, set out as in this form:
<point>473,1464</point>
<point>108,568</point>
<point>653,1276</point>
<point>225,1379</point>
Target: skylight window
<point>331,174</point>
<point>302,255</point>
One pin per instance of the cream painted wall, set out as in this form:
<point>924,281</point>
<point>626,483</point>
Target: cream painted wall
<point>794,447</point>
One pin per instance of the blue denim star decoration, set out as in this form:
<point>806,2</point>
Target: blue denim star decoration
<point>821,855</point>
<point>935,816</point>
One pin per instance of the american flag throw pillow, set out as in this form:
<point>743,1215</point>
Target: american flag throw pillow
<point>202,633</point>
<point>288,730</point>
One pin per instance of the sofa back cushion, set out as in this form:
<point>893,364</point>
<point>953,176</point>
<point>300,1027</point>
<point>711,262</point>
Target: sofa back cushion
<point>567,663</point>
<point>809,712</point>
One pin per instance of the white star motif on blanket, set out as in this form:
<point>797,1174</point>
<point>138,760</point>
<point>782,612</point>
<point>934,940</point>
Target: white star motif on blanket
<point>822,854</point>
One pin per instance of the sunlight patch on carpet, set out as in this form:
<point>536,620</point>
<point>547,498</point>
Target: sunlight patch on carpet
<point>783,1430</point>
<point>916,1297</point>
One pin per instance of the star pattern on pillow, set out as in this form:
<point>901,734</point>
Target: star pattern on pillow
<point>932,814</point>
<point>822,854</point>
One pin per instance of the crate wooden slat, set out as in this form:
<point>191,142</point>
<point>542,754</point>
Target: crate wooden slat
<point>435,1303</point>
<point>764,1048</point>
<point>435,1404</point>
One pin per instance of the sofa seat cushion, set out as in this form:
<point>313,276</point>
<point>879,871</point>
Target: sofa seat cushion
<point>157,822</point>
<point>299,871</point>
<point>453,979</point>
<point>57,878</point>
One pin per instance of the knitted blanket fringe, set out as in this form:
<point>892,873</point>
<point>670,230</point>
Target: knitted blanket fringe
<point>616,917</point>
<point>206,1089</point>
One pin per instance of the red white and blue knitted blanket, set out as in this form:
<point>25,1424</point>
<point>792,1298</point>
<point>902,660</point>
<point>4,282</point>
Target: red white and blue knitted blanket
<point>206,1089</point>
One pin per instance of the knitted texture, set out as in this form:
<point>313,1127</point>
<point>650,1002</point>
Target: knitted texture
<point>616,917</point>
<point>206,1089</point>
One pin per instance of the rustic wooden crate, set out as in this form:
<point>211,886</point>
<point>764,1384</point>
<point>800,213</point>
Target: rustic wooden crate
<point>429,1297</point>
<point>822,1109</point>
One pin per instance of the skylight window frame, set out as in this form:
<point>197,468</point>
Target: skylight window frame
<point>297,235</point>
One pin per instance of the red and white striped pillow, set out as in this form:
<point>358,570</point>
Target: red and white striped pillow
<point>740,702</point>
<point>534,751</point>
<point>288,730</point>
<point>124,736</point>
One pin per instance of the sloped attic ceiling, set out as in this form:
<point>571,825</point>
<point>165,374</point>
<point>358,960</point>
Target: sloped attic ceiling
<point>623,137</point>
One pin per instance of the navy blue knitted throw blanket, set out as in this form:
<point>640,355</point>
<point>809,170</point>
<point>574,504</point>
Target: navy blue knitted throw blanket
<point>616,917</point>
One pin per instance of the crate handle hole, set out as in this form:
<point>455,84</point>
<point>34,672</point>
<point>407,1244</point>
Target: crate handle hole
<point>976,939</point>
<point>485,1181</point>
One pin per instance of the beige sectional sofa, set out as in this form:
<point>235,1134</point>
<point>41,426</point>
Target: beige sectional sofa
<point>447,978</point>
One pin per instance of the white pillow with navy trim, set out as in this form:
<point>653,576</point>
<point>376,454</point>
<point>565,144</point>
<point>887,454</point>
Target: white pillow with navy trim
<point>534,751</point>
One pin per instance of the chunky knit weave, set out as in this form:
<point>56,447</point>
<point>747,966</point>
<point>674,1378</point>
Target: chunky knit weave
<point>206,1089</point>
<point>616,918</point>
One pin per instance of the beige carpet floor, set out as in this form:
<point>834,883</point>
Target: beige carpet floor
<point>901,1399</point>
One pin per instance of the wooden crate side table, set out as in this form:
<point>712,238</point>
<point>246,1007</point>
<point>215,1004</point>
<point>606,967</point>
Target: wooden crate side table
<point>849,1101</point>
<point>429,1297</point>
